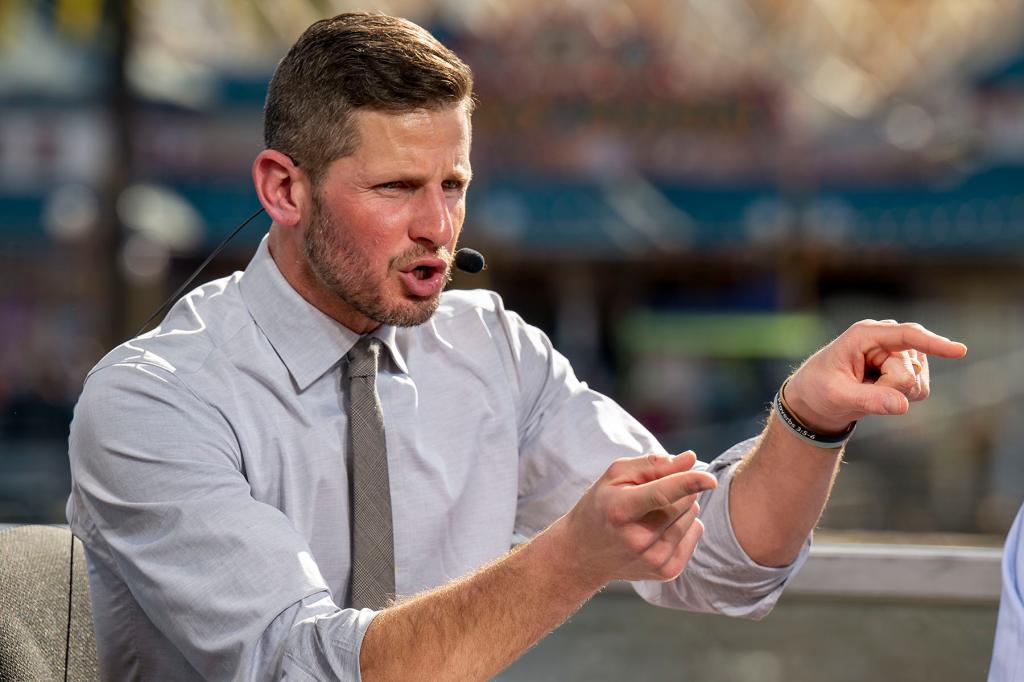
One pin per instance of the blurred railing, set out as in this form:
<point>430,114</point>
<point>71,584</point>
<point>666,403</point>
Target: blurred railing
<point>903,572</point>
<point>856,611</point>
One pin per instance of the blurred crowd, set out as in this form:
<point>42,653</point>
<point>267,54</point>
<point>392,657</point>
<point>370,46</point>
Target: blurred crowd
<point>688,196</point>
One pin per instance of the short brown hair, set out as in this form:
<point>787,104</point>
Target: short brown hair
<point>349,62</point>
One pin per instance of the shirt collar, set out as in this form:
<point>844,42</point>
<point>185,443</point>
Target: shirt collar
<point>308,342</point>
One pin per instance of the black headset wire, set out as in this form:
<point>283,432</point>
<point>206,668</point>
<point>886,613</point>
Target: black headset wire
<point>220,247</point>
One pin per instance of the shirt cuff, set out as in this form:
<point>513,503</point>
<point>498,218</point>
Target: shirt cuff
<point>324,640</point>
<point>721,577</point>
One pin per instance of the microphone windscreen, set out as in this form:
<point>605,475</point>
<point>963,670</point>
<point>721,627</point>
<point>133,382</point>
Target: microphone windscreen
<point>469,260</point>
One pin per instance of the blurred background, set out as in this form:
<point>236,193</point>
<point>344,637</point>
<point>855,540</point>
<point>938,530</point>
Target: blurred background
<point>689,196</point>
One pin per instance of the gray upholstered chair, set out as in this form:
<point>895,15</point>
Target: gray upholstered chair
<point>34,570</point>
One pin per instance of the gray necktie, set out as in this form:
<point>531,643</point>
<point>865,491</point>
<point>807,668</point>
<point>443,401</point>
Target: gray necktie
<point>373,548</point>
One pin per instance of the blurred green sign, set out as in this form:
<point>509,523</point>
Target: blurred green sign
<point>722,335</point>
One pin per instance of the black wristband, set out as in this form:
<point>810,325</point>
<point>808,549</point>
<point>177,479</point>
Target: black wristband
<point>821,440</point>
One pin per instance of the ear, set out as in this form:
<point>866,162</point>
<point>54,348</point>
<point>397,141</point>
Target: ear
<point>281,186</point>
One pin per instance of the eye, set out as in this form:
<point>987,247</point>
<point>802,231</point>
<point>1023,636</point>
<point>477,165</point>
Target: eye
<point>397,184</point>
<point>454,185</point>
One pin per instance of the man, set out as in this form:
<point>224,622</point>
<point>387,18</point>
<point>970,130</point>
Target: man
<point>1008,649</point>
<point>296,444</point>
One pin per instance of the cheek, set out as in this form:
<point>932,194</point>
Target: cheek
<point>458,214</point>
<point>365,234</point>
<point>383,224</point>
<point>367,252</point>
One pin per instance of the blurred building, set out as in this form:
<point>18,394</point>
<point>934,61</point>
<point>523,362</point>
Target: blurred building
<point>688,196</point>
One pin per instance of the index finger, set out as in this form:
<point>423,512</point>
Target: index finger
<point>912,336</point>
<point>647,497</point>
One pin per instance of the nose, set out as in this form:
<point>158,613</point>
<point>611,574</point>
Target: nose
<point>433,226</point>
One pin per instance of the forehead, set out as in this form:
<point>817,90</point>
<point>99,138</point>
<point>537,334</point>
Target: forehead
<point>421,134</point>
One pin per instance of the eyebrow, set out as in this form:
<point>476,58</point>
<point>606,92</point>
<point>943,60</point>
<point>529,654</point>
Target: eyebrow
<point>414,178</point>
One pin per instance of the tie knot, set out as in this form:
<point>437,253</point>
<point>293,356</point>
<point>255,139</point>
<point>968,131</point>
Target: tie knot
<point>362,359</point>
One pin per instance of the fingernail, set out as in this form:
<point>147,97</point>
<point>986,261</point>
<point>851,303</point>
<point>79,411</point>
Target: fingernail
<point>891,404</point>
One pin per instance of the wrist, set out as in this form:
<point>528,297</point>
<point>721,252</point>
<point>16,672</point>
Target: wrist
<point>805,416</point>
<point>561,547</point>
<point>808,433</point>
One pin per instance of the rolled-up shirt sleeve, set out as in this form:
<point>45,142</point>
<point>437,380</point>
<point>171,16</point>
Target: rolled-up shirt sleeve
<point>313,639</point>
<point>570,434</point>
<point>161,498</point>
<point>721,577</point>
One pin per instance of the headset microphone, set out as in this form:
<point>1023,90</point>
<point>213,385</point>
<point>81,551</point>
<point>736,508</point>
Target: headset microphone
<point>470,260</point>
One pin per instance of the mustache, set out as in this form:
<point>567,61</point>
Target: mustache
<point>407,257</point>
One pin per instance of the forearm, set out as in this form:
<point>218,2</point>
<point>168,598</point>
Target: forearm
<point>778,493</point>
<point>474,627</point>
<point>872,368</point>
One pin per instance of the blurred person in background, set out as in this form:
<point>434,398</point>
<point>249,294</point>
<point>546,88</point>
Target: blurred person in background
<point>1008,649</point>
<point>315,468</point>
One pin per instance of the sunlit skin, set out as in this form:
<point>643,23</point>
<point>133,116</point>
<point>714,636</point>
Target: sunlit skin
<point>350,246</point>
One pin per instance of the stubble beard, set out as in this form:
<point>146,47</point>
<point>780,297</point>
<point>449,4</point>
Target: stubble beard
<point>341,269</point>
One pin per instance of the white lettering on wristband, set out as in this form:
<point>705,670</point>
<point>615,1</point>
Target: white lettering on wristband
<point>829,442</point>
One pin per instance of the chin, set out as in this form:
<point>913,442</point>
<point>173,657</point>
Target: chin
<point>411,312</point>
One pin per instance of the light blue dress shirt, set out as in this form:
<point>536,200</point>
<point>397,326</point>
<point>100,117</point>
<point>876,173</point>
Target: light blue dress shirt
<point>209,478</point>
<point>1008,650</point>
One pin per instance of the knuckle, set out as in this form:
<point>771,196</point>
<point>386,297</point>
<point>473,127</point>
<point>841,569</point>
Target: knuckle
<point>672,568</point>
<point>618,466</point>
<point>698,529</point>
<point>906,383</point>
<point>636,545</point>
<point>622,462</point>
<point>686,517</point>
<point>659,498</point>
<point>651,463</point>
<point>673,535</point>
<point>617,515</point>
<point>666,553</point>
<point>670,571</point>
<point>656,555</point>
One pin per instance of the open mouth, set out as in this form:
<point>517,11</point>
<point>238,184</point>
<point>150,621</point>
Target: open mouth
<point>424,272</point>
<point>424,278</point>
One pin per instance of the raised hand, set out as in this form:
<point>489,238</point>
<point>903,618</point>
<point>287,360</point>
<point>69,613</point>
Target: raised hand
<point>638,521</point>
<point>874,367</point>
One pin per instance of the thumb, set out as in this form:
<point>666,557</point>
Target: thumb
<point>877,399</point>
